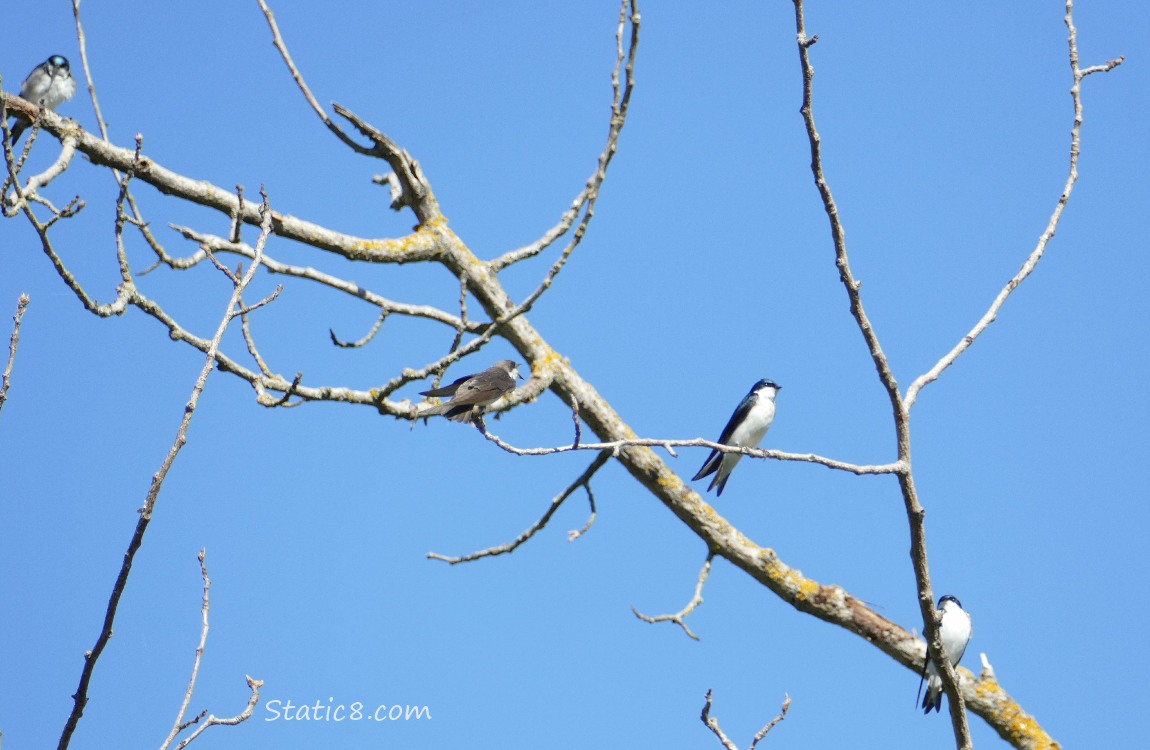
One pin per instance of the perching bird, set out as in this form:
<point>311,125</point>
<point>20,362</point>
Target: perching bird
<point>955,632</point>
<point>745,429</point>
<point>50,84</point>
<point>471,393</point>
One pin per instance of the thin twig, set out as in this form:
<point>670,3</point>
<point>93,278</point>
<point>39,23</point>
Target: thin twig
<point>137,218</point>
<point>179,725</point>
<point>366,339</point>
<point>212,243</point>
<point>620,103</point>
<point>556,503</point>
<point>679,617</point>
<point>21,305</point>
<point>212,721</point>
<point>297,76</point>
<point>576,533</point>
<point>713,724</point>
<point>669,444</point>
<point>771,724</point>
<point>619,107</point>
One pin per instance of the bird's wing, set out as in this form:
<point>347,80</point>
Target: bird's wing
<point>449,389</point>
<point>482,390</point>
<point>710,465</point>
<point>922,678</point>
<point>741,412</point>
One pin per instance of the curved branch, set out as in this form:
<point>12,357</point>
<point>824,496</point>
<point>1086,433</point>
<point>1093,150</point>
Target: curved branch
<point>620,105</point>
<point>1051,226</point>
<point>679,617</point>
<point>584,480</point>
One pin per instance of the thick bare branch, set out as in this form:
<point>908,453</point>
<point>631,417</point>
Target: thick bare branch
<point>421,245</point>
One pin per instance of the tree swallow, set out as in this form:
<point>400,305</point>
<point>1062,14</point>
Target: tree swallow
<point>955,632</point>
<point>746,429</point>
<point>471,393</point>
<point>50,84</point>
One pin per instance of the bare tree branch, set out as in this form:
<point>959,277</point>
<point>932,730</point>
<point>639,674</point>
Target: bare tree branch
<point>179,724</point>
<point>620,104</point>
<point>669,444</point>
<point>679,617</point>
<point>434,241</point>
<point>13,342</point>
<point>212,720</point>
<point>713,724</point>
<point>80,698</point>
<point>1051,226</point>
<point>1029,735</point>
<point>771,724</point>
<point>583,480</point>
<point>914,510</point>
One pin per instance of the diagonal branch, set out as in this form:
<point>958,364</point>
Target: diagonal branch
<point>620,104</point>
<point>80,698</point>
<point>297,76</point>
<point>583,480</point>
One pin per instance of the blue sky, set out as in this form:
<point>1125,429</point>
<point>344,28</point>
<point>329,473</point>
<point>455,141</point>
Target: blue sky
<point>708,266</point>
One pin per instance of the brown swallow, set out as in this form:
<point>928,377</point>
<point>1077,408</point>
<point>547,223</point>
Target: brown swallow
<point>471,393</point>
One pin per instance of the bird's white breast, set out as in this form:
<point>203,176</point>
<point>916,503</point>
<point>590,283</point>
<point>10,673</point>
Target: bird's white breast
<point>750,433</point>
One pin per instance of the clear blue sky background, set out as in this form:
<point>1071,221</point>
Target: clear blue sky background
<point>708,266</point>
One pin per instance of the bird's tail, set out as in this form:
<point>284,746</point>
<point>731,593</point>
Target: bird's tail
<point>454,412</point>
<point>933,698</point>
<point>17,131</point>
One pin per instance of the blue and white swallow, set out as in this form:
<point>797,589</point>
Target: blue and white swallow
<point>745,429</point>
<point>50,85</point>
<point>955,632</point>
